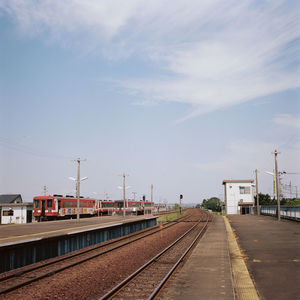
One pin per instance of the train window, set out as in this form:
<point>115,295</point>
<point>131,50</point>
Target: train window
<point>49,203</point>
<point>107,204</point>
<point>59,204</point>
<point>36,204</point>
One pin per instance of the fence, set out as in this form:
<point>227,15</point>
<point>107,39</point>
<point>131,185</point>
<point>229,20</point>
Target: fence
<point>286,212</point>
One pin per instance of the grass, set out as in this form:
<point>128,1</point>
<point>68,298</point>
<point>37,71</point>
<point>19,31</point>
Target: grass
<point>169,217</point>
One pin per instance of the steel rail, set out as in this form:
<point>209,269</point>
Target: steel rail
<point>27,281</point>
<point>122,284</point>
<point>164,280</point>
<point>38,265</point>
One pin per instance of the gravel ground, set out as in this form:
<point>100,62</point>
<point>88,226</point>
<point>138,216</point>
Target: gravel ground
<point>94,278</point>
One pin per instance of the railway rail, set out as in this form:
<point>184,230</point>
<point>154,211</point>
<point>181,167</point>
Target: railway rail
<point>148,280</point>
<point>15,279</point>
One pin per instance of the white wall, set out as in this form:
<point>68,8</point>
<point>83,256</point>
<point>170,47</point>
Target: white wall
<point>19,217</point>
<point>233,196</point>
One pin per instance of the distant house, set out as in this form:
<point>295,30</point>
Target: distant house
<point>239,196</point>
<point>159,207</point>
<point>13,210</point>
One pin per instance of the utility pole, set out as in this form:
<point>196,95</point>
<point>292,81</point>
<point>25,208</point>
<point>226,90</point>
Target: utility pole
<point>257,195</point>
<point>151,192</point>
<point>45,190</point>
<point>274,184</point>
<point>277,184</point>
<point>124,196</point>
<point>78,160</point>
<point>134,194</point>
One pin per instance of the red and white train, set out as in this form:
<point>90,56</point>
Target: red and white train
<point>60,207</point>
<point>133,207</point>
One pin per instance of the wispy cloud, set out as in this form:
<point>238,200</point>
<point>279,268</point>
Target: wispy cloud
<point>209,54</point>
<point>242,157</point>
<point>145,103</point>
<point>287,120</point>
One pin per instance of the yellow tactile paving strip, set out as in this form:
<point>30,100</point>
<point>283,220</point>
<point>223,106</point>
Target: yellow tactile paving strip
<point>243,284</point>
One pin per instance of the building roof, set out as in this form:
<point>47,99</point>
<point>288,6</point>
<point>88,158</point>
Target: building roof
<point>238,181</point>
<point>9,198</point>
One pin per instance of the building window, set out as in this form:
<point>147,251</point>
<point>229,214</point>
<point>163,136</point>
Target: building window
<point>244,189</point>
<point>8,212</point>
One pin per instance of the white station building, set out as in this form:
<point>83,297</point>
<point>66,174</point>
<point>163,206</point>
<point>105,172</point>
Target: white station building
<point>13,210</point>
<point>239,196</point>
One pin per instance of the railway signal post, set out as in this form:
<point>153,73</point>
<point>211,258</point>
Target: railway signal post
<point>180,198</point>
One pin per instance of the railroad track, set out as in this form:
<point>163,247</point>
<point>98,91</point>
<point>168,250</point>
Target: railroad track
<point>15,279</point>
<point>148,280</point>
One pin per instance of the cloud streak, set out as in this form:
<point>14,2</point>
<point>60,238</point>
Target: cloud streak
<point>209,54</point>
<point>287,120</point>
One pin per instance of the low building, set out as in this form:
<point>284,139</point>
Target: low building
<point>15,213</point>
<point>13,210</point>
<point>239,196</point>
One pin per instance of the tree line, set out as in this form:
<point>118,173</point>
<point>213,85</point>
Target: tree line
<point>266,199</point>
<point>215,204</point>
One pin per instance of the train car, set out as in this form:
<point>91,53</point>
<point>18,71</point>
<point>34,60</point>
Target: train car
<point>60,207</point>
<point>104,207</point>
<point>133,207</point>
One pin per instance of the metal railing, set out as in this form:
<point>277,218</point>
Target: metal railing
<point>286,212</point>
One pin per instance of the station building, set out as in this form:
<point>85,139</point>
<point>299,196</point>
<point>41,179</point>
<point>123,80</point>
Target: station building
<point>239,196</point>
<point>13,210</point>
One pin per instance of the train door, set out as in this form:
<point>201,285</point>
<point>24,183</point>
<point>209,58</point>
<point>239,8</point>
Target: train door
<point>42,208</point>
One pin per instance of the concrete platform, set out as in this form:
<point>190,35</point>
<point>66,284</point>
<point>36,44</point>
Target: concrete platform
<point>24,244</point>
<point>18,233</point>
<point>207,273</point>
<point>272,252</point>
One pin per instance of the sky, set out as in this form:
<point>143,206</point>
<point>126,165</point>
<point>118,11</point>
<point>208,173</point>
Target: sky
<point>178,94</point>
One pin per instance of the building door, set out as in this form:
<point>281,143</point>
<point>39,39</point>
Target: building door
<point>245,210</point>
<point>29,215</point>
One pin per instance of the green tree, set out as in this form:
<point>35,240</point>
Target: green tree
<point>265,199</point>
<point>213,204</point>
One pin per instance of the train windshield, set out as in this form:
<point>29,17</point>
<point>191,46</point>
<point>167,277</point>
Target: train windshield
<point>36,204</point>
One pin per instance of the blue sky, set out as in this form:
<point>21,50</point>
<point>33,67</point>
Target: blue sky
<point>180,96</point>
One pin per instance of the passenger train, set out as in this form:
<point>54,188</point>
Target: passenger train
<point>63,207</point>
